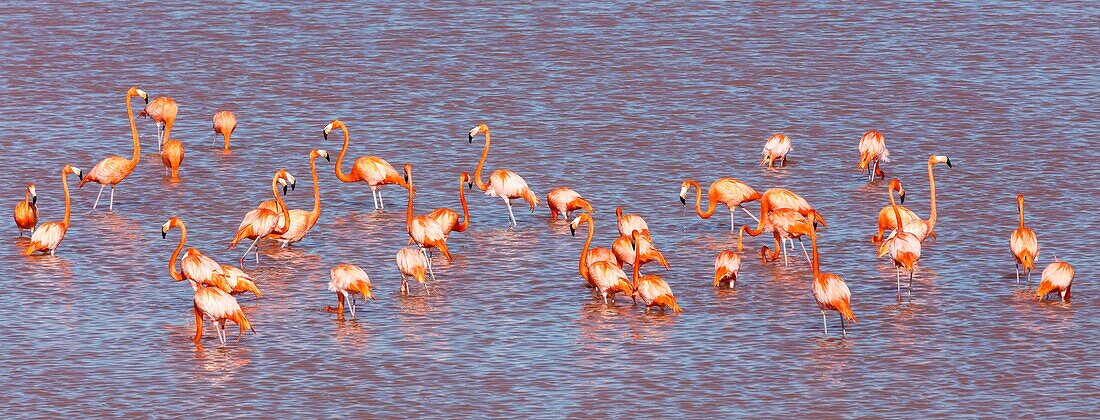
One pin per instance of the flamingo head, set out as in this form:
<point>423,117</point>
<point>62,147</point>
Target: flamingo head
<point>896,186</point>
<point>465,177</point>
<point>939,159</point>
<point>286,180</point>
<point>576,223</point>
<point>134,91</point>
<point>481,128</point>
<point>73,170</point>
<point>172,222</point>
<point>321,153</point>
<point>1020,200</point>
<point>684,190</point>
<point>31,192</point>
<point>408,172</point>
<point>332,125</point>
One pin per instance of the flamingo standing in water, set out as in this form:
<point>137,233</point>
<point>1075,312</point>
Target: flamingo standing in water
<point>411,262</point>
<point>629,222</point>
<point>624,251</point>
<point>375,171</point>
<point>195,267</point>
<point>777,147</point>
<point>1025,248</point>
<point>593,254</point>
<point>219,306</point>
<point>26,211</point>
<point>779,198</point>
<point>261,222</point>
<point>653,290</point>
<point>729,191</point>
<point>1057,278</point>
<point>563,200</point>
<point>301,221</point>
<point>423,230</point>
<point>447,218</point>
<point>872,149</point>
<point>162,110</point>
<point>904,247</point>
<point>171,155</point>
<point>502,182</point>
<point>347,280</point>
<point>921,228</point>
<point>48,236</point>
<point>785,224</point>
<point>114,169</point>
<point>600,273</point>
<point>225,122</point>
<point>726,266</point>
<point>829,290</point>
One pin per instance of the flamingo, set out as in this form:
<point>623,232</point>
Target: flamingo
<point>502,182</point>
<point>785,224</point>
<point>1025,248</point>
<point>171,155</point>
<point>904,247</point>
<point>195,267</point>
<point>48,236</point>
<point>653,290</point>
<point>237,281</point>
<point>630,222</point>
<point>564,200</point>
<point>729,191</point>
<point>423,230</point>
<point>600,273</point>
<point>219,306</point>
<point>872,148</point>
<point>921,228</point>
<point>777,147</point>
<point>779,198</point>
<point>225,122</point>
<point>1057,278</point>
<point>301,221</point>
<point>114,169</point>
<point>261,222</point>
<point>347,280</point>
<point>26,211</point>
<point>162,110</point>
<point>411,262</point>
<point>375,171</point>
<point>829,290</point>
<point>726,266</point>
<point>447,218</point>
<point>623,249</point>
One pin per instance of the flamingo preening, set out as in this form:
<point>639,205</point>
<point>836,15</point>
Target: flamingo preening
<point>114,169</point>
<point>1024,245</point>
<point>261,222</point>
<point>913,223</point>
<point>502,183</point>
<point>629,222</point>
<point>48,236</point>
<point>376,172</point>
<point>729,191</point>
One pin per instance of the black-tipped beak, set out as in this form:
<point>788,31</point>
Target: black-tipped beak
<point>948,162</point>
<point>34,199</point>
<point>683,201</point>
<point>146,100</point>
<point>902,196</point>
<point>327,159</point>
<point>470,186</point>
<point>470,137</point>
<point>572,230</point>
<point>292,185</point>
<point>284,189</point>
<point>324,134</point>
<point>163,234</point>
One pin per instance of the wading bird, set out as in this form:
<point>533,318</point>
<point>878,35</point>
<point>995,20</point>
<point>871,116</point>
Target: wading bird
<point>48,236</point>
<point>502,182</point>
<point>564,200</point>
<point>411,262</point>
<point>653,290</point>
<point>424,230</point>
<point>225,122</point>
<point>593,254</point>
<point>777,147</point>
<point>114,169</point>
<point>195,267</point>
<point>872,149</point>
<point>605,276</point>
<point>219,306</point>
<point>301,221</point>
<point>729,191</point>
<point>904,247</point>
<point>162,110</point>
<point>261,222</point>
<point>829,290</point>
<point>171,155</point>
<point>347,280</point>
<point>26,211</point>
<point>785,224</point>
<point>726,266</point>
<point>375,171</point>
<point>629,222</point>
<point>913,223</point>
<point>1057,278</point>
<point>624,250</point>
<point>1025,248</point>
<point>447,218</point>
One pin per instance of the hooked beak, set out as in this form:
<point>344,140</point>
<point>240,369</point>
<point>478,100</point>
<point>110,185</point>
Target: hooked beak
<point>470,137</point>
<point>683,200</point>
<point>572,230</point>
<point>327,159</point>
<point>34,199</point>
<point>146,100</point>
<point>293,184</point>
<point>470,186</point>
<point>284,189</point>
<point>948,162</point>
<point>902,196</point>
<point>163,234</point>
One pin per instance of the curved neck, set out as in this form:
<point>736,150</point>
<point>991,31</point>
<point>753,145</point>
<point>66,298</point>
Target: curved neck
<point>1019,204</point>
<point>177,275</point>
<point>409,207</point>
<point>280,206</point>
<point>897,213</point>
<point>480,164</point>
<point>618,215</point>
<point>465,209</point>
<point>133,132</point>
<point>932,192</point>
<point>316,213</point>
<point>65,186</point>
<point>340,158</point>
<point>713,201</point>
<point>584,251</point>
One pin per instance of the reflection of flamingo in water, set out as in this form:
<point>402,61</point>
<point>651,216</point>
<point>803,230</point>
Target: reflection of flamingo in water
<point>729,191</point>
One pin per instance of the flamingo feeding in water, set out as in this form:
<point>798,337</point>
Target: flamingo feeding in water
<point>785,224</point>
<point>48,236</point>
<point>904,247</point>
<point>563,200</point>
<point>411,262</point>
<point>376,172</point>
<point>171,155</point>
<point>114,169</point>
<point>593,254</point>
<point>605,276</point>
<point>779,198</point>
<point>729,191</point>
<point>447,218</point>
<point>225,122</point>
<point>26,211</point>
<point>625,250</point>
<point>872,149</point>
<point>502,182</point>
<point>829,290</point>
<point>424,230</point>
<point>162,110</point>
<point>219,306</point>
<point>347,280</point>
<point>1024,245</point>
<point>629,222</point>
<point>1057,278</point>
<point>653,290</point>
<point>913,223</point>
<point>726,266</point>
<point>777,147</point>
<point>202,270</point>
<point>261,222</point>
<point>301,221</point>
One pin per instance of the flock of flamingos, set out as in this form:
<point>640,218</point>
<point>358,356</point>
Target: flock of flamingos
<point>783,213</point>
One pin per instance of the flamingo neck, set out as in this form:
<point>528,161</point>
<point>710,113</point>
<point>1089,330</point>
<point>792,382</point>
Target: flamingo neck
<point>637,257</point>
<point>481,164</point>
<point>177,275</point>
<point>897,213</point>
<point>1019,204</point>
<point>280,206</point>
<point>316,213</point>
<point>134,133</point>
<point>932,192</point>
<point>618,215</point>
<point>584,251</point>
<point>225,136</point>
<point>65,186</point>
<point>465,208</point>
<point>816,261</point>
<point>345,177</point>
<point>409,207</point>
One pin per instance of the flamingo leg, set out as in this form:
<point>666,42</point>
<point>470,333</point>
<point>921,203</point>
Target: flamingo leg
<point>731,221</point>
<point>374,196</point>
<point>101,187</point>
<point>897,271</point>
<point>511,215</point>
<point>381,203</point>
<point>1029,277</point>
<point>805,254</point>
<point>749,213</point>
<point>426,292</point>
<point>218,329</point>
<point>249,249</point>
<point>1017,273</point>
<point>404,285</point>
<point>427,259</point>
<point>824,322</point>
<point>909,292</point>
<point>112,206</point>
<point>843,326</point>
<point>783,245</point>
<point>350,303</point>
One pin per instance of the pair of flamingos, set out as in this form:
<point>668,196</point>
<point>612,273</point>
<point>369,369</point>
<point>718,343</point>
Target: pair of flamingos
<point>602,270</point>
<point>1058,275</point>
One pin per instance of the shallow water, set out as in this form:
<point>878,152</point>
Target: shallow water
<point>621,103</point>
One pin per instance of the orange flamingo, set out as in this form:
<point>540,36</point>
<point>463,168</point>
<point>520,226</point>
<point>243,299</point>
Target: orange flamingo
<point>564,200</point>
<point>726,266</point>
<point>49,235</point>
<point>301,221</point>
<point>199,269</point>
<point>424,230</point>
<point>261,222</point>
<point>26,211</point>
<point>779,198</point>
<point>375,171</point>
<point>921,228</point>
<point>623,249</point>
<point>219,306</point>
<point>729,191</point>
<point>411,262</point>
<point>502,182</point>
<point>777,147</point>
<point>171,155</point>
<point>162,110</point>
<point>830,291</point>
<point>593,254</point>
<point>785,224</point>
<point>1057,278</point>
<point>114,169</point>
<point>904,247</point>
<point>872,149</point>
<point>347,280</point>
<point>599,272</point>
<point>653,290</point>
<point>225,122</point>
<point>1025,248</point>
<point>630,222</point>
<point>237,281</point>
<point>447,218</point>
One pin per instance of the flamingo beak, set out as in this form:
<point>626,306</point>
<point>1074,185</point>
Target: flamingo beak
<point>470,137</point>
<point>902,196</point>
<point>470,186</point>
<point>163,234</point>
<point>284,189</point>
<point>948,162</point>
<point>572,230</point>
<point>683,200</point>
<point>34,199</point>
<point>327,159</point>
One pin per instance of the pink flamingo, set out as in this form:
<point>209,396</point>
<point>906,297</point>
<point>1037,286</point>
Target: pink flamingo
<point>1057,278</point>
<point>653,290</point>
<point>114,169</point>
<point>904,247</point>
<point>1024,245</point>
<point>376,172</point>
<point>447,218</point>
<point>726,266</point>
<point>563,200</point>
<point>872,149</point>
<point>502,182</point>
<point>829,290</point>
<point>629,222</point>
<point>729,191</point>
<point>777,147</point>
<point>49,235</point>
<point>225,122</point>
<point>411,262</point>
<point>917,226</point>
<point>162,110</point>
<point>261,222</point>
<point>600,273</point>
<point>26,211</point>
<point>347,280</point>
<point>301,221</point>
